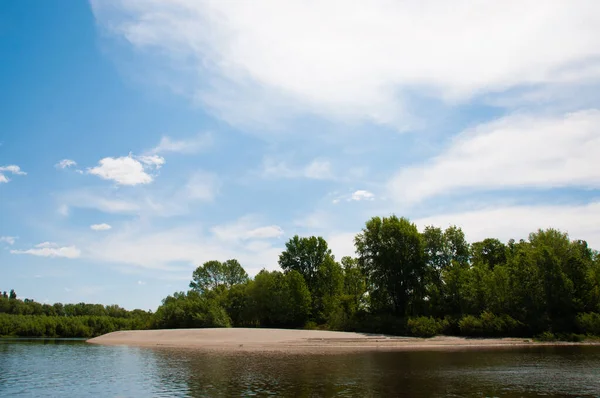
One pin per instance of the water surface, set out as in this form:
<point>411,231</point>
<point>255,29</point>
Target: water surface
<point>76,369</point>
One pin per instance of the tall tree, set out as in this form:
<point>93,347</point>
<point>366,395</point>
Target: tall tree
<point>390,253</point>
<point>305,255</point>
<point>490,252</point>
<point>213,274</point>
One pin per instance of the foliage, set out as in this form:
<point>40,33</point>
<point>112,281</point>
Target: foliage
<point>426,326</point>
<point>589,323</point>
<point>214,274</point>
<point>402,282</point>
<point>392,257</point>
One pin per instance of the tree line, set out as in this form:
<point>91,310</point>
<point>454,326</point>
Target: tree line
<point>28,318</point>
<point>406,282</point>
<point>401,281</point>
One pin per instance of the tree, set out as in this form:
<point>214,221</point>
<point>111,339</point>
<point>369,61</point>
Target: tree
<point>12,295</point>
<point>329,288</point>
<point>390,253</point>
<point>213,274</point>
<point>282,300</point>
<point>304,255</point>
<point>490,252</point>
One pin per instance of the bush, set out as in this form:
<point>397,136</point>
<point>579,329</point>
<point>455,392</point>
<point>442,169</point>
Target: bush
<point>546,336</point>
<point>589,323</point>
<point>489,324</point>
<point>426,326</point>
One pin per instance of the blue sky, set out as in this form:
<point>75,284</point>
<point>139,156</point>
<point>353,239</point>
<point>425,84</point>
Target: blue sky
<point>139,139</point>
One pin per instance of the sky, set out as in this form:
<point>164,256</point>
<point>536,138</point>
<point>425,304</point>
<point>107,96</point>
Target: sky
<point>141,138</point>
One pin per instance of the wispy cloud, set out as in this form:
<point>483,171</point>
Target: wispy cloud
<point>356,196</point>
<point>512,152</point>
<point>65,163</point>
<point>195,144</point>
<point>246,228</point>
<point>317,169</point>
<point>49,249</point>
<point>8,239</point>
<point>252,62</point>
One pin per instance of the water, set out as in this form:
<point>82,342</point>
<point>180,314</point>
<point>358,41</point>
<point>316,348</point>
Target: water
<point>76,369</point>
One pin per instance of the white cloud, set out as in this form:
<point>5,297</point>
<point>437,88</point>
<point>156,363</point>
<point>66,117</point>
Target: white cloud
<point>250,60</point>
<point>100,227</point>
<point>246,229</point>
<point>13,169</point>
<point>152,160</point>
<point>356,196</point>
<point>317,169</point>
<point>49,249</point>
<point>516,222</point>
<point>512,152</point>
<point>8,239</point>
<point>176,250</point>
<point>361,194</point>
<point>141,283</point>
<point>124,171</point>
<point>65,163</point>
<point>203,186</point>
<point>192,145</point>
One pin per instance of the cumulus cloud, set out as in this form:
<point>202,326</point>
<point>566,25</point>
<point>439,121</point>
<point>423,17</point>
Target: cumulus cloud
<point>49,249</point>
<point>195,144</point>
<point>254,61</point>
<point>512,152</point>
<point>8,239</point>
<point>65,163</point>
<point>13,169</point>
<point>126,170</point>
<point>100,227</point>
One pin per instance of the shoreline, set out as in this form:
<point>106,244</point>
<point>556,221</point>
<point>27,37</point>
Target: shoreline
<point>298,340</point>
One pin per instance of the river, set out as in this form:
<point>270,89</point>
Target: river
<point>76,369</point>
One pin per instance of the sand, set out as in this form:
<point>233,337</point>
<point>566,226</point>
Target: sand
<point>242,339</point>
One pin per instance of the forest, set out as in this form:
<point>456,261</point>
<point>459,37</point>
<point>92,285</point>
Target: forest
<point>402,281</point>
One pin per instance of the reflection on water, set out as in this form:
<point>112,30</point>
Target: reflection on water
<point>77,369</point>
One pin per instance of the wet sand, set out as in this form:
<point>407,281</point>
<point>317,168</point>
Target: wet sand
<point>247,339</point>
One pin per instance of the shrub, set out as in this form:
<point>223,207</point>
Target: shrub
<point>489,324</point>
<point>426,326</point>
<point>589,323</point>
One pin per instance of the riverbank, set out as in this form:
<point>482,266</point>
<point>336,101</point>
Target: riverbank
<point>246,339</point>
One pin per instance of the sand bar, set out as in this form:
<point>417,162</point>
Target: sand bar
<point>246,339</point>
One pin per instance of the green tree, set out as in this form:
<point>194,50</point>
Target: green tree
<point>328,291</point>
<point>490,252</point>
<point>214,274</point>
<point>12,295</point>
<point>391,255</point>
<point>305,255</point>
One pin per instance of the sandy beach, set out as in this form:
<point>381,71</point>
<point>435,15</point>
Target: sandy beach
<point>242,339</point>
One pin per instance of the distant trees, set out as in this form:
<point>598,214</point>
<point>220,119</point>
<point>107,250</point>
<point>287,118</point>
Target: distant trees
<point>29,318</point>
